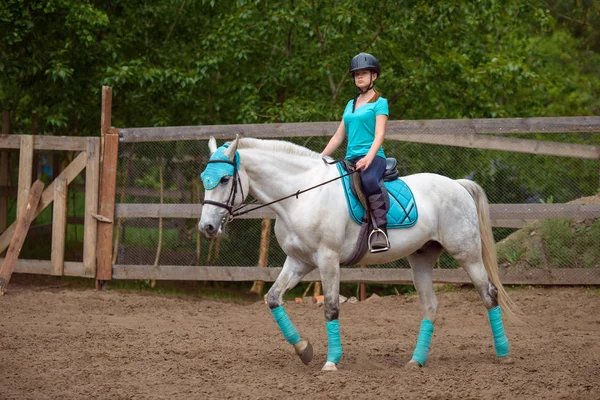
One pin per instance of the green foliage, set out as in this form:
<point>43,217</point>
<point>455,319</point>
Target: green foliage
<point>250,61</point>
<point>206,62</point>
<point>49,52</point>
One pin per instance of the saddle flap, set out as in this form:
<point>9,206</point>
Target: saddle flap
<point>402,211</point>
<point>355,182</point>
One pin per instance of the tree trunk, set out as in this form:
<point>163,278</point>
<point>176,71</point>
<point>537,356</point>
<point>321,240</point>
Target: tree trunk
<point>160,222</point>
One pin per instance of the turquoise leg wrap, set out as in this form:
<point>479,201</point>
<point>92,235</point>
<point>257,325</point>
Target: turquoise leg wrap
<point>287,328</point>
<point>500,339</point>
<point>423,342</point>
<point>334,343</point>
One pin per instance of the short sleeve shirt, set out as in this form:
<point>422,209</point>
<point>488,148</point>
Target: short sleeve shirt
<point>360,127</point>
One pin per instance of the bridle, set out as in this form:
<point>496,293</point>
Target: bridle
<point>229,206</point>
<point>231,199</point>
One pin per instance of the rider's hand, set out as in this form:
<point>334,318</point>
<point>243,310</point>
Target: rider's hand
<point>364,162</point>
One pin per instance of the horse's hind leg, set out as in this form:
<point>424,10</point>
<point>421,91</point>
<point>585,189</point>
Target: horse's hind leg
<point>422,263</point>
<point>293,271</point>
<point>472,262</point>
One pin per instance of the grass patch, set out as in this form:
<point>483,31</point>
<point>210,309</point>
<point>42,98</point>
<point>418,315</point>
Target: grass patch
<point>594,290</point>
<point>148,237</point>
<point>553,243</point>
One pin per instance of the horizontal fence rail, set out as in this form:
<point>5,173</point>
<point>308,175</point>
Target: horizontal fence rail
<point>399,276</point>
<point>497,211</point>
<point>468,133</point>
<point>44,267</point>
<point>67,143</point>
<point>458,126</point>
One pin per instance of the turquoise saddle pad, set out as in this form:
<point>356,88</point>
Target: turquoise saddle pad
<point>403,209</point>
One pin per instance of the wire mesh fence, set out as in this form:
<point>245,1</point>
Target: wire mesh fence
<point>167,172</point>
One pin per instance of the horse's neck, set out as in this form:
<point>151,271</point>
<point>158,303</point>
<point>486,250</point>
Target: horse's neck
<point>276,175</point>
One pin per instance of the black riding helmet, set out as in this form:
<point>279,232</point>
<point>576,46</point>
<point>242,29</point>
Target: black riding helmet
<point>364,61</point>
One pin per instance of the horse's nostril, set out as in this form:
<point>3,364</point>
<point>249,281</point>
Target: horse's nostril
<point>210,228</point>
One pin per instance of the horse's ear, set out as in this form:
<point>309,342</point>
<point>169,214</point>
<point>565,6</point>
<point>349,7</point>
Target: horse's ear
<point>212,144</point>
<point>230,151</point>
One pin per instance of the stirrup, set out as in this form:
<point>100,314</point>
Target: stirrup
<point>386,248</point>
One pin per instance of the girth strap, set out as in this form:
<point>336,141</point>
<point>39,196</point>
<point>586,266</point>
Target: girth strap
<point>355,182</point>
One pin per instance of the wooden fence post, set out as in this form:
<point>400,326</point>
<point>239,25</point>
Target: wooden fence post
<point>90,224</point>
<point>108,188</point>
<point>198,248</point>
<point>25,171</point>
<point>35,131</point>
<point>317,289</point>
<point>362,295</point>
<point>59,226</point>
<point>16,243</point>
<point>4,163</point>
<point>263,256</point>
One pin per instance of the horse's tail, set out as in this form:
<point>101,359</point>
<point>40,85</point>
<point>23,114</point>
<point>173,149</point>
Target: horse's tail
<point>488,247</point>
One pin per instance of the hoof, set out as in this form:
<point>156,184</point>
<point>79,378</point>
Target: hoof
<point>329,366</point>
<point>304,350</point>
<point>412,364</point>
<point>506,360</point>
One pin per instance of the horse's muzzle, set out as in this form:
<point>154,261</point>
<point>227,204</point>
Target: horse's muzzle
<point>209,229</point>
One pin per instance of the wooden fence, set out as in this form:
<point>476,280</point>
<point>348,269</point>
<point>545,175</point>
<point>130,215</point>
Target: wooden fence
<point>460,133</point>
<point>55,192</point>
<point>101,206</point>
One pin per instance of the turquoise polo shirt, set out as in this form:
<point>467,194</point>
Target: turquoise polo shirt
<point>360,127</point>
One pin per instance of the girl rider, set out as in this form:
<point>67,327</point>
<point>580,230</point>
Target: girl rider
<point>364,120</point>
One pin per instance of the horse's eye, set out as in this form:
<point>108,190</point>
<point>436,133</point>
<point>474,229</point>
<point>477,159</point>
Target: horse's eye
<point>224,180</point>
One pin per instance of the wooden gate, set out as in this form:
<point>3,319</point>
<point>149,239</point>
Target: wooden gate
<point>56,192</point>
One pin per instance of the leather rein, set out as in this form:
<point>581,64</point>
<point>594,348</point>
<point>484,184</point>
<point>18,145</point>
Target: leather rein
<point>235,212</point>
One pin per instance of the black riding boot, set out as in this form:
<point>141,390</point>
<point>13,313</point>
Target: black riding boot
<point>378,239</point>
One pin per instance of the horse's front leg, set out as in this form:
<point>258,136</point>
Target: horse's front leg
<point>292,272</point>
<point>329,267</point>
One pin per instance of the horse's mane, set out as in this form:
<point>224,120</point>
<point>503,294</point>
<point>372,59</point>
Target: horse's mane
<point>278,146</point>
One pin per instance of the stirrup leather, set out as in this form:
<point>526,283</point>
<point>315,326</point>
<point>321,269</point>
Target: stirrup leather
<point>386,248</point>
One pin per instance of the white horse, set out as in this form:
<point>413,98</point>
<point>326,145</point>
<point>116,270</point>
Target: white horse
<point>315,230</point>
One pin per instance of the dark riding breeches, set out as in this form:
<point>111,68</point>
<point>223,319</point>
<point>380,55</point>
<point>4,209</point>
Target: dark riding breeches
<point>372,176</point>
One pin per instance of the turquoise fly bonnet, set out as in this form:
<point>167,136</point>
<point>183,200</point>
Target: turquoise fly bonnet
<point>219,166</point>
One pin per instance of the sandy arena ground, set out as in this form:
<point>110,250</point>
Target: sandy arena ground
<point>72,343</point>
